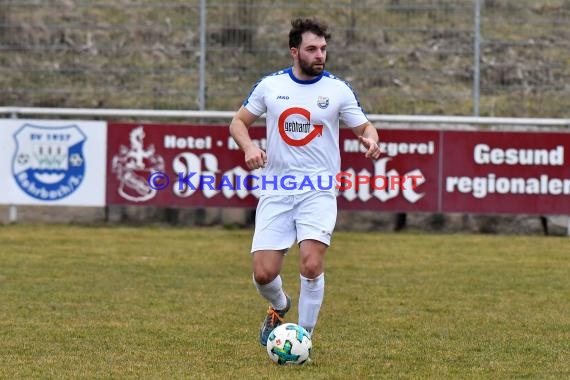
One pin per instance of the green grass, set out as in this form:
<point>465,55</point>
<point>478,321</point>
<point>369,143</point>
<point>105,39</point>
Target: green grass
<point>154,302</point>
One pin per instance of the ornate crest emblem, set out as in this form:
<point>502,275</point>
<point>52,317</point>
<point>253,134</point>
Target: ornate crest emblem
<point>49,163</point>
<point>133,165</point>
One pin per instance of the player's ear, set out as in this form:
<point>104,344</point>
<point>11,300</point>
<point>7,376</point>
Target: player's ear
<point>294,52</point>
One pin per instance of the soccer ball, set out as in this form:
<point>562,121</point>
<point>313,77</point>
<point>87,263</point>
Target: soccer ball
<point>289,343</point>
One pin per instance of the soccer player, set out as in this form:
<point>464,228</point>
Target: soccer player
<point>303,106</point>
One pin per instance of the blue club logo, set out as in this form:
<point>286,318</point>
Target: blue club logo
<point>48,163</point>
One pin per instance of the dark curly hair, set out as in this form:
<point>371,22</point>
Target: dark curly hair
<point>302,25</point>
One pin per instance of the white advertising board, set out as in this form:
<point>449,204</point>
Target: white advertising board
<point>53,162</point>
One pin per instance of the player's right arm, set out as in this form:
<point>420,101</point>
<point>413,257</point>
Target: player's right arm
<point>255,158</point>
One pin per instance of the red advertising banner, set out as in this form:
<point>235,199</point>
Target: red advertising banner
<point>506,172</point>
<point>172,156</point>
<point>419,170</point>
<point>404,178</point>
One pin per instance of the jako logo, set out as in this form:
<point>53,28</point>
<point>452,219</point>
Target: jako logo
<point>284,97</point>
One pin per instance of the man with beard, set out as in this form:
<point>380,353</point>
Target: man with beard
<point>304,104</point>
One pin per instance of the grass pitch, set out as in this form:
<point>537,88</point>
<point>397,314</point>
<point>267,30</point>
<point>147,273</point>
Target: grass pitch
<point>153,302</point>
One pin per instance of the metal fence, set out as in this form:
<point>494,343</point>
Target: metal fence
<point>507,58</point>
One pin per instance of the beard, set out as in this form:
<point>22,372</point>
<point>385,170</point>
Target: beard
<point>311,69</point>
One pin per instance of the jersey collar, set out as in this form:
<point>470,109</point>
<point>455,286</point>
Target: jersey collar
<point>297,80</point>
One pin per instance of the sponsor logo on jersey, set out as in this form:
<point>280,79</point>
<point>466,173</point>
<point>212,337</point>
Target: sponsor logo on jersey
<point>282,97</point>
<point>298,126</point>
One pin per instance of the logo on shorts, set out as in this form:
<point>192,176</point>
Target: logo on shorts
<point>323,102</point>
<point>49,163</point>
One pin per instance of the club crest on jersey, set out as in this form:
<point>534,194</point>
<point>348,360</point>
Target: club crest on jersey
<point>323,102</point>
<point>49,163</point>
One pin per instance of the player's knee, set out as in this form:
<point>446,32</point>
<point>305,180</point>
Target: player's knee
<point>311,273</point>
<point>264,276</point>
<point>311,268</point>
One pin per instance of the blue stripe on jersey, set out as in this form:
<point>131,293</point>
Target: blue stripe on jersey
<point>329,75</point>
<point>284,71</point>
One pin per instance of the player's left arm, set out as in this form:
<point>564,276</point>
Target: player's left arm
<point>368,136</point>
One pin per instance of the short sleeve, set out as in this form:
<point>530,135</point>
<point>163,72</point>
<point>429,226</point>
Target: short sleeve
<point>351,112</point>
<point>255,102</point>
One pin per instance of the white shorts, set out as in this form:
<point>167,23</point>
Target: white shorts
<point>280,219</point>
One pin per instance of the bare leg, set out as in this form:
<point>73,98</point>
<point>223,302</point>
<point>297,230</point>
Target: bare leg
<point>266,268</point>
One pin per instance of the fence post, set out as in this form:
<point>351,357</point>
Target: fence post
<point>476,57</point>
<point>12,209</point>
<point>202,74</point>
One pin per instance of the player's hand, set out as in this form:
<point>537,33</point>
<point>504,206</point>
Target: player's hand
<point>372,147</point>
<point>255,158</point>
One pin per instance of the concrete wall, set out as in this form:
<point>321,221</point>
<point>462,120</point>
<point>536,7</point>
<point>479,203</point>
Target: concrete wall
<point>244,218</point>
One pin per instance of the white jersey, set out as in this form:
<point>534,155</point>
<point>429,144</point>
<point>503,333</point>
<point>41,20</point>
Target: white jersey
<point>303,129</point>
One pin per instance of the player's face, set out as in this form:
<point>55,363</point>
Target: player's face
<point>312,54</point>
